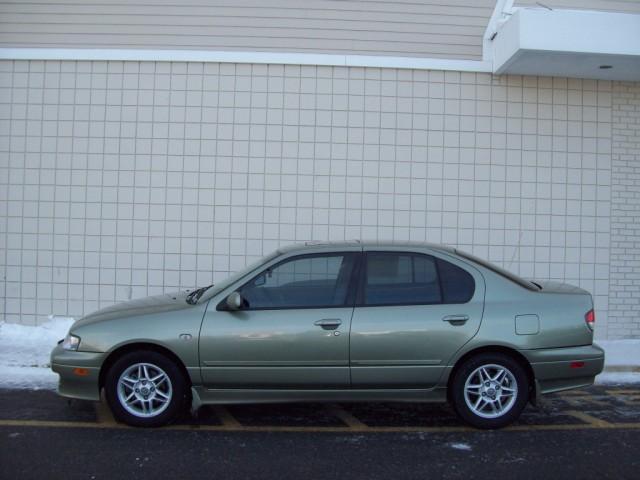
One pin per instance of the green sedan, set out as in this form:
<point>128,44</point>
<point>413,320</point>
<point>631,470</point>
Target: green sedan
<point>339,322</point>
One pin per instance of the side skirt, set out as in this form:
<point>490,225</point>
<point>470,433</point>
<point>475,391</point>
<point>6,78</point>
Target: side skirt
<point>202,396</point>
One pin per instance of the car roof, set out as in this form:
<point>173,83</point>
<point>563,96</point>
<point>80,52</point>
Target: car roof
<point>365,244</point>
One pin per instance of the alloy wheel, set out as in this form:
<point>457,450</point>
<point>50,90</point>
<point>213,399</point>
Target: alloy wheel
<point>144,390</point>
<point>490,391</point>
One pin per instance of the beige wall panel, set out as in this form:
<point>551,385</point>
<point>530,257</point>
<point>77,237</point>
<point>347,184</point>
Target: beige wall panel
<point>396,28</point>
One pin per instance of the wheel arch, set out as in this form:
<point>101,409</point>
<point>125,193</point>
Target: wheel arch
<point>136,347</point>
<point>511,352</point>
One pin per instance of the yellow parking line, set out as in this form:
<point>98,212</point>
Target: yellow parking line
<point>346,417</point>
<point>103,413</point>
<point>225,417</point>
<point>628,397</point>
<point>591,420</point>
<point>599,424</point>
<point>625,393</point>
<point>57,424</point>
<point>578,401</point>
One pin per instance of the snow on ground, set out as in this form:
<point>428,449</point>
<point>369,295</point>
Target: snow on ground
<point>617,378</point>
<point>621,352</point>
<point>461,446</point>
<point>25,350</point>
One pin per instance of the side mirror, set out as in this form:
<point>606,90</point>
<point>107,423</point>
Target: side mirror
<point>234,301</point>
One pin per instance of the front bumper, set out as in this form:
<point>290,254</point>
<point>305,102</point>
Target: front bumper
<point>79,373</point>
<point>558,369</point>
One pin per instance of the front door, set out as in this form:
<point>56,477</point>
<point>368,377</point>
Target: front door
<point>293,331</point>
<point>414,312</point>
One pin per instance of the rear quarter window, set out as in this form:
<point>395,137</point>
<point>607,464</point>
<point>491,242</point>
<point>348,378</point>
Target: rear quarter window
<point>458,285</point>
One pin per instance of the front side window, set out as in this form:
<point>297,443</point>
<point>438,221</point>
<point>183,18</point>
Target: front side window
<point>301,282</point>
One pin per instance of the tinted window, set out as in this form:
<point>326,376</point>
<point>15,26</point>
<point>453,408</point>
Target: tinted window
<point>457,284</point>
<point>308,281</point>
<point>400,279</point>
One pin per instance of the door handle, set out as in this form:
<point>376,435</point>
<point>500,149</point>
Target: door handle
<point>456,319</point>
<point>328,323</point>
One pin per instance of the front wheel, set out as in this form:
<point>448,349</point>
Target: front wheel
<point>145,389</point>
<point>490,390</point>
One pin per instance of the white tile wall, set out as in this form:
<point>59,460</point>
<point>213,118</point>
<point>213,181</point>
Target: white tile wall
<point>124,179</point>
<point>624,289</point>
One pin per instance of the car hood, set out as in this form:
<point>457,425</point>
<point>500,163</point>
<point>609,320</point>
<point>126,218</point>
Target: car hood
<point>140,306</point>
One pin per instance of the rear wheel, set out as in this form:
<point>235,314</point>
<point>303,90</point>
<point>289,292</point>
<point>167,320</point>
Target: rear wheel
<point>145,389</point>
<point>490,390</point>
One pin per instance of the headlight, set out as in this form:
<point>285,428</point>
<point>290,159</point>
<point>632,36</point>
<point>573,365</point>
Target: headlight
<point>71,342</point>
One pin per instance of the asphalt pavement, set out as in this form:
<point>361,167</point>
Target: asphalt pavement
<point>590,433</point>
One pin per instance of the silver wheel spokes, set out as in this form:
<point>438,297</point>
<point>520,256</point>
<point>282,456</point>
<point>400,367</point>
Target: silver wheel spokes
<point>490,391</point>
<point>144,390</point>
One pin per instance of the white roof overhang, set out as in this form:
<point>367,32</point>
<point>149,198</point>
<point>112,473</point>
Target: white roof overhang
<point>568,43</point>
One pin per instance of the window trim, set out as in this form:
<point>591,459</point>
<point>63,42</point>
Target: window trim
<point>363,278</point>
<point>350,297</point>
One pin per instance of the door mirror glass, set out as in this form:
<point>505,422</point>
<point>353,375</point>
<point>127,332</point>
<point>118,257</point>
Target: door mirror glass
<point>234,301</point>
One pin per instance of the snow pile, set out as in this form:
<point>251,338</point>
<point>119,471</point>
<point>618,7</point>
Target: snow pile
<point>25,350</point>
<point>621,352</point>
<point>620,355</point>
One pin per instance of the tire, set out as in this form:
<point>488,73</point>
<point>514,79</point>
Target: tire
<point>145,389</point>
<point>499,399</point>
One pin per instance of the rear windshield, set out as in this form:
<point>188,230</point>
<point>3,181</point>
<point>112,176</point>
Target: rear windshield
<point>500,271</point>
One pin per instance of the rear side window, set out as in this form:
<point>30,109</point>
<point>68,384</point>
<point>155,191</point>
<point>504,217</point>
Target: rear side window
<point>458,285</point>
<point>414,279</point>
<point>400,279</point>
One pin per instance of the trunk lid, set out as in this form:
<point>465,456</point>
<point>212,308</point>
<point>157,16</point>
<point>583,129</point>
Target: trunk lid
<point>563,314</point>
<point>559,287</point>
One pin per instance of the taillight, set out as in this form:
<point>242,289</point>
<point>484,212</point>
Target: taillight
<point>590,318</point>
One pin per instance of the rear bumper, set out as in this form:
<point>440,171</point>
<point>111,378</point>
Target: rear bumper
<point>558,369</point>
<point>83,383</point>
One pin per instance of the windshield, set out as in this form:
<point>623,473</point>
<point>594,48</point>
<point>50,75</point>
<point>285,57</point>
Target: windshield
<point>218,287</point>
<point>500,271</point>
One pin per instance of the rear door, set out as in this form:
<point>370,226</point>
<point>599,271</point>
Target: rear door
<point>414,311</point>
